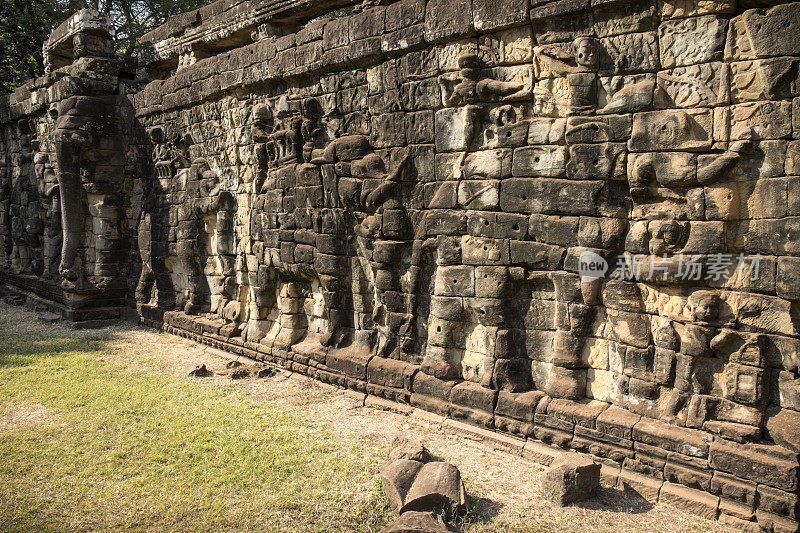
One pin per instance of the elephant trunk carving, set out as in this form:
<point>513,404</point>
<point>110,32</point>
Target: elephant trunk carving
<point>85,133</point>
<point>72,209</point>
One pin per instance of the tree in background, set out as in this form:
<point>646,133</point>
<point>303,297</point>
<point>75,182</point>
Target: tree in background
<point>26,24</point>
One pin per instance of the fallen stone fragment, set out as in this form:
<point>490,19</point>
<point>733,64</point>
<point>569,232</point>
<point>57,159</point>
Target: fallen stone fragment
<point>414,486</point>
<point>200,371</point>
<point>233,364</point>
<point>418,522</point>
<point>438,485</point>
<point>48,316</point>
<point>267,372</point>
<point>397,478</point>
<point>407,448</point>
<point>240,373</point>
<point>571,478</point>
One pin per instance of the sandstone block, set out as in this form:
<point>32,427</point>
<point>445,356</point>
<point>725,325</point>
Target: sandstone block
<point>692,40</point>
<point>685,441</point>
<point>490,16</point>
<point>448,19</point>
<point>413,486</point>
<point>773,466</point>
<point>647,487</point>
<point>783,427</point>
<point>571,478</point>
<point>695,501</point>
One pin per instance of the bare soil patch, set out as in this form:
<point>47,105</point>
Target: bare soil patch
<point>20,415</point>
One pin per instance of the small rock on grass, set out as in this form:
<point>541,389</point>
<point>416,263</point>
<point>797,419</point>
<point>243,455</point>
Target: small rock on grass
<point>200,371</point>
<point>267,372</point>
<point>240,373</point>
<point>47,316</point>
<point>571,478</point>
<point>408,448</point>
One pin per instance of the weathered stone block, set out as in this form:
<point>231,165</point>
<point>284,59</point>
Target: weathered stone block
<point>752,34</point>
<point>684,8</point>
<point>775,523</point>
<point>630,53</point>
<point>414,486</point>
<point>671,130</point>
<point>778,502</point>
<point>688,442</point>
<point>454,129</point>
<point>647,487</point>
<point>571,478</point>
<point>540,161</point>
<point>431,394</point>
<point>773,466</point>
<point>489,16</point>
<point>783,427</point>
<point>448,19</point>
<point>688,471</point>
<point>514,411</point>
<point>697,502</point>
<point>692,40</point>
<point>616,18</point>
<point>473,403</point>
<point>764,79</point>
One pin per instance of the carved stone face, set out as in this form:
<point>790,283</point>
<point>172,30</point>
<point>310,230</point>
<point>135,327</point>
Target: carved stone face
<point>703,306</point>
<point>311,108</point>
<point>201,166</point>
<point>156,135</point>
<point>262,115</point>
<point>469,60</point>
<point>85,118</point>
<point>586,52</point>
<point>667,236</point>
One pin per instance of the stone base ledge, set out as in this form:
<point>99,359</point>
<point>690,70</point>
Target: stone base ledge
<point>78,318</point>
<point>755,484</point>
<point>750,486</point>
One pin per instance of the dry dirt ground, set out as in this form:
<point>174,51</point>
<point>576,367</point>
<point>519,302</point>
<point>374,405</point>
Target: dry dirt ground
<point>504,488</point>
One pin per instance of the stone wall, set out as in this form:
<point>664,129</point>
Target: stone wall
<point>570,221</point>
<point>71,157</point>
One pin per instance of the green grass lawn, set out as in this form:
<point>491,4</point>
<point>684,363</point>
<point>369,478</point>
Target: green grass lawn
<point>91,441</point>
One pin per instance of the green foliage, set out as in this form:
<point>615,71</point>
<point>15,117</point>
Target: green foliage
<point>26,24</point>
<point>134,18</point>
<point>339,13</point>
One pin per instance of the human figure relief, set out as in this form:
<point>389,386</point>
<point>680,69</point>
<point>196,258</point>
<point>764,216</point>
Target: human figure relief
<point>154,219</point>
<point>577,64</point>
<point>387,227</point>
<point>205,196</point>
